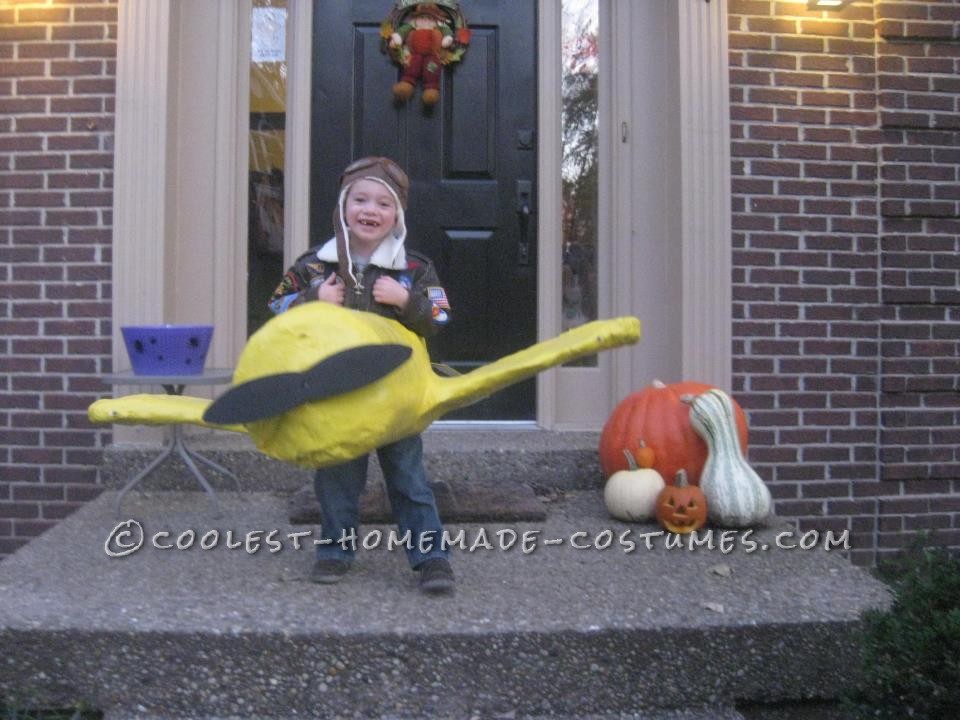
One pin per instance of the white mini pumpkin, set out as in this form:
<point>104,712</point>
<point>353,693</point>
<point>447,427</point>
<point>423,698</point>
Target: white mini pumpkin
<point>631,495</point>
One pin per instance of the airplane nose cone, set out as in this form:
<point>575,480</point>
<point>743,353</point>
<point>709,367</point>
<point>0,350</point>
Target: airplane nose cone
<point>360,416</point>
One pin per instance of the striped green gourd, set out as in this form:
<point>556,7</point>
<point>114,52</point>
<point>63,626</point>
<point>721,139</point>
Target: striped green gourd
<point>736,495</point>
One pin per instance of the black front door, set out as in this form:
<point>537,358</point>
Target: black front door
<point>471,159</point>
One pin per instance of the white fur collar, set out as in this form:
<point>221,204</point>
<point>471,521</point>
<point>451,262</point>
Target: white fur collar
<point>390,253</point>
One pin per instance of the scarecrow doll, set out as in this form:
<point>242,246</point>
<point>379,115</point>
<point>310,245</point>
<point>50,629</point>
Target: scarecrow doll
<point>426,38</point>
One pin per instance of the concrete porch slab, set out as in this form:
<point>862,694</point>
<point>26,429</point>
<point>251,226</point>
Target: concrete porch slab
<point>556,632</point>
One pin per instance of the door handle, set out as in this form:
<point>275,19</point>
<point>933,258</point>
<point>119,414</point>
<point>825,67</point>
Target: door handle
<point>524,192</point>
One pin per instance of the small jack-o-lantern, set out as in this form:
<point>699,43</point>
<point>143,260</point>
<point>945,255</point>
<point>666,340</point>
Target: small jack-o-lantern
<point>681,507</point>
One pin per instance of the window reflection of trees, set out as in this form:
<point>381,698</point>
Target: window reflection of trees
<point>579,165</point>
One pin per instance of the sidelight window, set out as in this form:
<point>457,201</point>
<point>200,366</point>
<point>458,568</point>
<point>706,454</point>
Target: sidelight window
<point>580,27</point>
<point>268,104</point>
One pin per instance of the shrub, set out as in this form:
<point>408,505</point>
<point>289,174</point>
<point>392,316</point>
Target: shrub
<point>11,709</point>
<point>911,652</point>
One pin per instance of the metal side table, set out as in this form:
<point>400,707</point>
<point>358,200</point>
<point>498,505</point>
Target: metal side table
<point>174,385</point>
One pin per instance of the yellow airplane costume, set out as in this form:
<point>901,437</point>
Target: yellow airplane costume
<point>320,384</point>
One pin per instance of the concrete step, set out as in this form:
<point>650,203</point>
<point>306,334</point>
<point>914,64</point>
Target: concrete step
<point>711,713</point>
<point>546,460</point>
<point>780,711</point>
<point>556,632</point>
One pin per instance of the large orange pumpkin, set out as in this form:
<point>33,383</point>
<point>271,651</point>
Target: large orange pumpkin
<point>659,417</point>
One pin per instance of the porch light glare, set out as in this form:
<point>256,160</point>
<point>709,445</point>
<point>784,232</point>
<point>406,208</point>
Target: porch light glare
<point>827,4</point>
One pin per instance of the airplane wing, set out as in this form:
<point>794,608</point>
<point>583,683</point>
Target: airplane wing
<point>148,409</point>
<point>583,340</point>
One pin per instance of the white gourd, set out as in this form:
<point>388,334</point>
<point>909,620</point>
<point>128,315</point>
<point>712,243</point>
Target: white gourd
<point>736,495</point>
<point>631,495</point>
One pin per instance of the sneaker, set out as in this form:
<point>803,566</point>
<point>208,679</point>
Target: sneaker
<point>328,571</point>
<point>436,576</point>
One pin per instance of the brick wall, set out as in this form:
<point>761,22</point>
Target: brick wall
<point>918,82</point>
<point>57,73</point>
<point>845,220</point>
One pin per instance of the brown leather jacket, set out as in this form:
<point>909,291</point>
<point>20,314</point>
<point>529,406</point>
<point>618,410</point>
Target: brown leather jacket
<point>427,311</point>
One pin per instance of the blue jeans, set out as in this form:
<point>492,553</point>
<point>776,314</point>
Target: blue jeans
<point>338,490</point>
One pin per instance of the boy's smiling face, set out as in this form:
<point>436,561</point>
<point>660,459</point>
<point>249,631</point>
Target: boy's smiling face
<point>371,213</point>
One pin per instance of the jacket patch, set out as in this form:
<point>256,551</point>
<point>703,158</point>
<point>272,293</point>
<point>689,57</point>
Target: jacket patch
<point>438,297</point>
<point>282,304</point>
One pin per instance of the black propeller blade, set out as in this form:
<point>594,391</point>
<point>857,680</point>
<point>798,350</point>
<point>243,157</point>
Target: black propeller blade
<point>275,394</point>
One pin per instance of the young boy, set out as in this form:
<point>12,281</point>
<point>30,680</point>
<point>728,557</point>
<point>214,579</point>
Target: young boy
<point>366,267</point>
